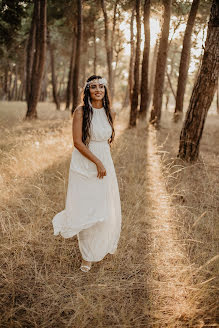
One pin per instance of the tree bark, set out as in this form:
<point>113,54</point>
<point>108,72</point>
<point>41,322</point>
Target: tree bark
<point>14,87</point>
<point>6,82</point>
<point>135,93</point>
<point>62,86</point>
<point>84,58</point>
<point>117,49</point>
<point>145,61</point>
<point>21,90</point>
<point>218,96</point>
<point>44,82</point>
<point>203,91</point>
<point>77,57</point>
<point>107,45</point>
<point>52,62</point>
<point>126,98</point>
<point>39,57</point>
<point>95,51</point>
<point>170,84</point>
<point>184,61</point>
<point>167,100</point>
<point>70,73</point>
<point>169,76</point>
<point>9,84</point>
<point>132,56</point>
<point>30,52</point>
<point>152,72</point>
<point>161,65</point>
<point>112,49</point>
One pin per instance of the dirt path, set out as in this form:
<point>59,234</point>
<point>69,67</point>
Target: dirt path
<point>149,282</point>
<point>170,274</point>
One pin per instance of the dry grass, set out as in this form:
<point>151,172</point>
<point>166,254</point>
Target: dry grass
<point>194,190</point>
<point>164,271</point>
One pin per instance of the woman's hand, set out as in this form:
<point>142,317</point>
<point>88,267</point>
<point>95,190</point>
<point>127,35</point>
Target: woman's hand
<point>101,171</point>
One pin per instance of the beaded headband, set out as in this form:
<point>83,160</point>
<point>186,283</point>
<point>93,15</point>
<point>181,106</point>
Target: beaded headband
<point>100,81</point>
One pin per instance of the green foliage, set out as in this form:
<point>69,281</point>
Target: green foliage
<point>15,20</point>
<point>11,14</point>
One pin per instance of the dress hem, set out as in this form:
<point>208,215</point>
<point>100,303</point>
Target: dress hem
<point>58,229</point>
<point>112,253</point>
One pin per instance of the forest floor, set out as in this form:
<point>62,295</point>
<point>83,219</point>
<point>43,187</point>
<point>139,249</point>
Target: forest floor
<point>165,270</point>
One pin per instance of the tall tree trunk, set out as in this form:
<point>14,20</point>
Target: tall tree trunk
<point>95,51</point>
<point>184,61</point>
<point>167,100</point>
<point>112,49</point>
<point>14,87</point>
<point>118,49</point>
<point>132,56</point>
<point>217,96</point>
<point>30,52</point>
<point>9,84</point>
<point>145,61</point>
<point>39,58</point>
<point>6,82</point>
<point>70,73</point>
<point>203,91</point>
<point>135,93</point>
<point>21,89</point>
<point>84,59</point>
<point>169,76</point>
<point>52,62</point>
<point>107,45</point>
<point>77,57</point>
<point>161,65</point>
<point>152,72</point>
<point>170,84</point>
<point>126,98</point>
<point>62,86</point>
<point>44,82</point>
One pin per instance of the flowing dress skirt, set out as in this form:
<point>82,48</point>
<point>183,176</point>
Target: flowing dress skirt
<point>92,210</point>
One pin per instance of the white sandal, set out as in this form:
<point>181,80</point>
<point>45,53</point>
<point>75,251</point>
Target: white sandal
<point>85,268</point>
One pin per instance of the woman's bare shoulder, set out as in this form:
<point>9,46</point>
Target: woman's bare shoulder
<point>78,111</point>
<point>79,108</point>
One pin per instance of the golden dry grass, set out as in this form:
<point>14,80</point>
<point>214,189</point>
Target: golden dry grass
<point>164,271</point>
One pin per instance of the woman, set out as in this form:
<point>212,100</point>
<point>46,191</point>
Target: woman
<point>92,210</point>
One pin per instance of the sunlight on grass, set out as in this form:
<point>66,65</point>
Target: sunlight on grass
<point>13,112</point>
<point>170,268</point>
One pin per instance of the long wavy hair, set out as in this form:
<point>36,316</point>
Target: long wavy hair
<point>88,111</point>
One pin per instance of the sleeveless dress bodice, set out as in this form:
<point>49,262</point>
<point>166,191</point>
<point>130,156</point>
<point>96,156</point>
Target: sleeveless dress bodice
<point>100,133</point>
<point>101,129</point>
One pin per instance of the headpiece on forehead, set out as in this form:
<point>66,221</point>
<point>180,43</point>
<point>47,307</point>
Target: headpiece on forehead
<point>100,81</point>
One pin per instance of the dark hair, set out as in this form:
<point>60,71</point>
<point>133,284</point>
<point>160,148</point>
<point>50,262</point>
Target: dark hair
<point>88,111</point>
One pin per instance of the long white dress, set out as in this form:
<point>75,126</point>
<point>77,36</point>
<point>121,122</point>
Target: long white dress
<point>92,209</point>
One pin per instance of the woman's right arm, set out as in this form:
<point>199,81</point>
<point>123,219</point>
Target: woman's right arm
<point>82,148</point>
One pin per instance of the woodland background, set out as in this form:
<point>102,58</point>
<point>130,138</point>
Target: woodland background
<point>161,60</point>
<point>148,51</point>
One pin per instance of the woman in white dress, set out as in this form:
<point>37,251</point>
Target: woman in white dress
<point>92,209</point>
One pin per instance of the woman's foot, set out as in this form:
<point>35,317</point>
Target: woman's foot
<point>85,265</point>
